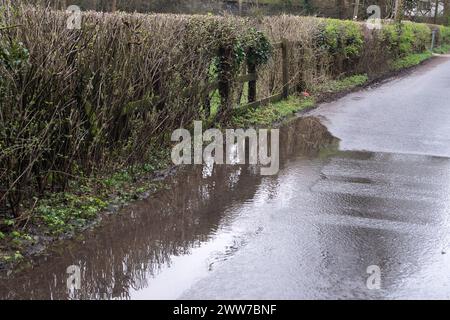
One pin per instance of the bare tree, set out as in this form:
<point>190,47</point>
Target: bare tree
<point>447,11</point>
<point>398,10</point>
<point>341,8</point>
<point>436,11</point>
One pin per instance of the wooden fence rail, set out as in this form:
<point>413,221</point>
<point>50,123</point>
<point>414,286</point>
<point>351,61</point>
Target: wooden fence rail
<point>223,84</point>
<point>252,78</point>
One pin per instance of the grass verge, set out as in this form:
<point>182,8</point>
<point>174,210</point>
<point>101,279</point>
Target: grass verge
<point>276,112</point>
<point>411,60</point>
<point>348,83</point>
<point>442,49</point>
<point>267,115</point>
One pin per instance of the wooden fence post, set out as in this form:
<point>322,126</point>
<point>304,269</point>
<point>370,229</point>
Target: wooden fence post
<point>251,69</point>
<point>433,39</point>
<point>285,57</point>
<point>226,61</point>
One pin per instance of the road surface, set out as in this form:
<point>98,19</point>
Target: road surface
<point>376,200</point>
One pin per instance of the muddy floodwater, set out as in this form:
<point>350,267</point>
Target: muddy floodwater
<point>227,232</point>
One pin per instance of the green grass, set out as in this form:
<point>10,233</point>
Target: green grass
<point>267,115</point>
<point>275,112</point>
<point>215,101</point>
<point>334,86</point>
<point>67,211</point>
<point>411,60</point>
<point>444,49</point>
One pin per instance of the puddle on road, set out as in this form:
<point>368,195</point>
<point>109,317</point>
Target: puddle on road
<point>158,247</point>
<point>310,232</point>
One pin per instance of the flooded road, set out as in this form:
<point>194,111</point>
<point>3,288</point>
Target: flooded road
<point>378,196</point>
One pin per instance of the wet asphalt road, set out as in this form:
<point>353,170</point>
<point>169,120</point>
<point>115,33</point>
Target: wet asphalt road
<point>387,203</point>
<point>380,197</point>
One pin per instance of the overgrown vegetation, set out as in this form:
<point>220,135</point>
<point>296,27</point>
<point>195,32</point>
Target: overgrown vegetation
<point>66,212</point>
<point>407,38</point>
<point>83,111</point>
<point>341,38</point>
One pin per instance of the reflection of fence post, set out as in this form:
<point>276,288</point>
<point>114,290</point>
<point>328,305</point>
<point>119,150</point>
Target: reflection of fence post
<point>251,66</point>
<point>285,57</point>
